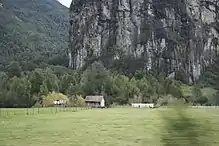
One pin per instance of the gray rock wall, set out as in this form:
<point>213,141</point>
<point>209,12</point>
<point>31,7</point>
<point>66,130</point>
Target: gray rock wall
<point>168,35</point>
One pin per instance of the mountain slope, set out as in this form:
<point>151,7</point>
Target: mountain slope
<point>168,36</point>
<point>32,30</point>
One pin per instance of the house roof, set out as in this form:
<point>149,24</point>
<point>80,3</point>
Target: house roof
<point>93,98</point>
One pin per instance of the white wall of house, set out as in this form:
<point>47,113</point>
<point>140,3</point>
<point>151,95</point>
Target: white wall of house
<point>102,103</point>
<point>142,105</point>
<point>58,102</point>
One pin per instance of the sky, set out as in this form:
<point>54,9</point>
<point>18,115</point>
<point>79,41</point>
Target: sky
<point>65,2</point>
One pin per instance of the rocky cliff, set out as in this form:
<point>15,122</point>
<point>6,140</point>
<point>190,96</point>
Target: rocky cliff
<point>168,36</point>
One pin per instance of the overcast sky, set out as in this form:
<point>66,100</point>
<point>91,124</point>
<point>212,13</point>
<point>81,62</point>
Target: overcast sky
<point>66,2</point>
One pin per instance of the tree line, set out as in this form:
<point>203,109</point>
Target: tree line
<point>21,86</point>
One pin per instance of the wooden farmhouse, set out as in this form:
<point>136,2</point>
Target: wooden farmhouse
<point>95,101</point>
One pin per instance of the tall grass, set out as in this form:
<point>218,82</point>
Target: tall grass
<point>181,129</point>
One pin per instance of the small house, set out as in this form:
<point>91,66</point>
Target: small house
<point>95,101</point>
<point>143,105</point>
<point>59,102</point>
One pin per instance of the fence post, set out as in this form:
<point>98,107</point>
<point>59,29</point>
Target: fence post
<point>1,109</point>
<point>26,110</point>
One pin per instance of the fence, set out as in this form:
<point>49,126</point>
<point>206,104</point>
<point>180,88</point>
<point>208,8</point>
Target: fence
<point>205,106</point>
<point>8,112</point>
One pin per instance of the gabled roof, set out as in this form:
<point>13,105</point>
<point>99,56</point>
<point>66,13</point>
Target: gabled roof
<point>93,98</point>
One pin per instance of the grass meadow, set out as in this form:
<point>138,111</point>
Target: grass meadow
<point>104,127</point>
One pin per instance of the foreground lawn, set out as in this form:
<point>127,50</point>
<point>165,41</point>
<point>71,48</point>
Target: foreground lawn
<point>96,127</point>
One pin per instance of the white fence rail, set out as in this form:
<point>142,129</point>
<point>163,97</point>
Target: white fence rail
<point>205,106</point>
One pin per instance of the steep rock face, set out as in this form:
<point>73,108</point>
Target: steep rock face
<point>168,35</point>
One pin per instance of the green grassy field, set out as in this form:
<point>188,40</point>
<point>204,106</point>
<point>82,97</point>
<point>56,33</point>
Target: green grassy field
<point>97,127</point>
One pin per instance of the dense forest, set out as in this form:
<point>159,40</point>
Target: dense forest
<point>33,31</point>
<point>34,63</point>
<point>25,86</point>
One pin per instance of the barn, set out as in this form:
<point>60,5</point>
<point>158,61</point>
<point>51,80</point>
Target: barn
<point>95,101</point>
